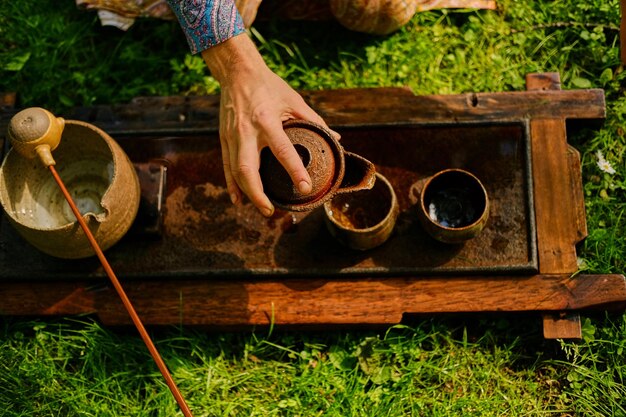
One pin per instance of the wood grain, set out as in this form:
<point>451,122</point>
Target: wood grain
<point>562,326</point>
<point>553,241</point>
<point>578,199</point>
<point>347,107</point>
<point>315,301</point>
<point>327,301</point>
<point>557,213</point>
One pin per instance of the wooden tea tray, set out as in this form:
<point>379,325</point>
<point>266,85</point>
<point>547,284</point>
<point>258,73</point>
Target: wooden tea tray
<point>204,262</point>
<point>203,234</point>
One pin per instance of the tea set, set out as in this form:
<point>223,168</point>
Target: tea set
<point>360,205</point>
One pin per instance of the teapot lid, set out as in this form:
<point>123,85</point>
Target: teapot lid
<point>322,156</point>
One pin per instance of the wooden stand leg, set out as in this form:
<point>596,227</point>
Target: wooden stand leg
<point>562,326</point>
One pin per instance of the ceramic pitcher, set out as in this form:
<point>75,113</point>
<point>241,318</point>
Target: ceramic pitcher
<point>98,175</point>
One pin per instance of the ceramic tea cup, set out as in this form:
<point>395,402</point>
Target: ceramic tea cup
<point>98,175</point>
<point>453,206</point>
<point>363,219</point>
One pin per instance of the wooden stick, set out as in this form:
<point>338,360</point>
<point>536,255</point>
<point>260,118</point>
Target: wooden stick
<point>125,300</point>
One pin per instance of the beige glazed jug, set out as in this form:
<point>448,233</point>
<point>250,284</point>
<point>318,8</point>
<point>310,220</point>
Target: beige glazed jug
<point>97,173</point>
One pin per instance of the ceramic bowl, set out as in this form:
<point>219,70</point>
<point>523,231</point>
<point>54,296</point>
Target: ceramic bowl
<point>453,206</point>
<point>98,175</point>
<point>364,219</point>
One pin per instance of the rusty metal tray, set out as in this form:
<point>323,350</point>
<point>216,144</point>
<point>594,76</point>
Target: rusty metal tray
<point>203,235</point>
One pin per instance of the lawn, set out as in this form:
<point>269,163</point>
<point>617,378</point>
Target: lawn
<point>58,57</point>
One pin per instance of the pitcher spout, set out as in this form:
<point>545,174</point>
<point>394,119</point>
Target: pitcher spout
<point>360,174</point>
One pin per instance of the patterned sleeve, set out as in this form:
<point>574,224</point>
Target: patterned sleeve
<point>207,22</point>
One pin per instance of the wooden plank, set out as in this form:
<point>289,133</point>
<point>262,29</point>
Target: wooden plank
<point>562,326</point>
<point>556,210</point>
<point>543,81</point>
<point>397,105</point>
<point>577,194</point>
<point>315,301</point>
<point>348,107</point>
<point>567,325</point>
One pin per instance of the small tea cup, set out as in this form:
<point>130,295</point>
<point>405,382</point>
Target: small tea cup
<point>363,219</point>
<point>453,206</point>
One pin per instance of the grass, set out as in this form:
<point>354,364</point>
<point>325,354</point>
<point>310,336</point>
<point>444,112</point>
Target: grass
<point>58,57</point>
<point>74,367</point>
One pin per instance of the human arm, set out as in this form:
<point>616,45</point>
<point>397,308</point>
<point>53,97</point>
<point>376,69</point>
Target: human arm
<point>254,104</point>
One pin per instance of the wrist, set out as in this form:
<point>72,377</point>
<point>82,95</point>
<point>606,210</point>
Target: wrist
<point>233,59</point>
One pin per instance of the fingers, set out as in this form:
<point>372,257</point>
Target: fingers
<point>246,174</point>
<point>241,162</point>
<point>231,186</point>
<point>244,133</point>
<point>284,151</point>
<point>229,151</point>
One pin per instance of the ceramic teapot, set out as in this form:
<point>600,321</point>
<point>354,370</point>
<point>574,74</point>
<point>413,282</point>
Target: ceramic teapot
<point>332,170</point>
<point>96,171</point>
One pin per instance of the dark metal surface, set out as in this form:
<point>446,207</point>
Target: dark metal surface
<point>203,234</point>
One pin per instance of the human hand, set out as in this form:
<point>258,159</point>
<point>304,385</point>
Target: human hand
<point>254,104</point>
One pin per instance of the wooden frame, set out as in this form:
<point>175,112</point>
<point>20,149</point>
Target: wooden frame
<point>555,291</point>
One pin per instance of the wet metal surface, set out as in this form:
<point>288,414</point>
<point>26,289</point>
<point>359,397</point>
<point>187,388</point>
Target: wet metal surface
<point>203,234</point>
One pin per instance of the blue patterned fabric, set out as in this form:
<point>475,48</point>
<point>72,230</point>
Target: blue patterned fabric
<point>207,22</point>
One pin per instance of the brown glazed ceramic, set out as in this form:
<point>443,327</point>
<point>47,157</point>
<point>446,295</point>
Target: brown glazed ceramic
<point>98,175</point>
<point>453,206</point>
<point>379,17</point>
<point>363,219</point>
<point>332,170</point>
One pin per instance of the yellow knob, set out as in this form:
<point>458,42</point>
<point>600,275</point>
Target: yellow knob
<point>36,132</point>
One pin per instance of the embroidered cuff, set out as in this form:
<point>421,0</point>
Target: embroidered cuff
<point>207,22</point>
